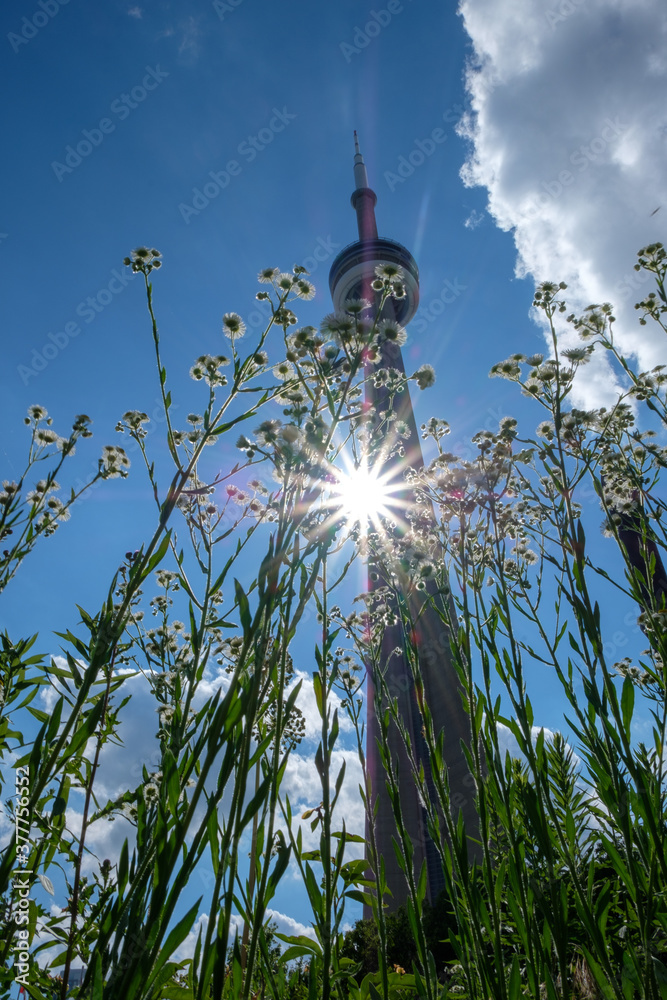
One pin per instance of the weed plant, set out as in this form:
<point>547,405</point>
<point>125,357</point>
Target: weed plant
<point>565,895</point>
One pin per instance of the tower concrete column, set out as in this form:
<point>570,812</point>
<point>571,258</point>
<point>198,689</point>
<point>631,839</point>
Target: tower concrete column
<point>351,275</point>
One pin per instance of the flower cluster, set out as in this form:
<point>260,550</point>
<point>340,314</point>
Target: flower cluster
<point>348,331</point>
<point>391,332</point>
<point>43,435</point>
<point>286,283</point>
<point>113,463</point>
<point>207,368</point>
<point>10,490</point>
<point>233,326</point>
<point>624,669</point>
<point>595,323</point>
<point>436,429</point>
<point>133,421</point>
<point>648,385</point>
<point>144,260</point>
<point>389,280</point>
<point>424,376</point>
<point>390,378</point>
<point>653,258</point>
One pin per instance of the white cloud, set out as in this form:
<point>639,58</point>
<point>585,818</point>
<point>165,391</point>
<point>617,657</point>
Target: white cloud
<point>104,838</point>
<point>474,220</point>
<point>302,784</point>
<point>308,705</point>
<point>569,134</point>
<point>121,766</point>
<point>508,743</point>
<point>285,925</point>
<point>187,948</point>
<point>288,925</point>
<point>189,46</point>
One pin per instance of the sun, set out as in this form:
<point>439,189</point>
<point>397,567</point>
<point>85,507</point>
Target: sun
<point>363,496</point>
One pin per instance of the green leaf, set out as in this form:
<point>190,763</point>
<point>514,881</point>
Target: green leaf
<point>335,729</point>
<point>97,991</point>
<point>339,782</point>
<point>627,704</point>
<point>421,885</point>
<point>158,556</point>
<point>60,802</point>
<point>358,896</point>
<point>83,734</point>
<point>284,851</point>
<point>244,609</point>
<point>295,951</point>
<point>256,801</point>
<point>301,941</point>
<point>603,983</point>
<point>175,938</point>
<point>319,697</point>
<point>514,985</point>
<point>319,761</point>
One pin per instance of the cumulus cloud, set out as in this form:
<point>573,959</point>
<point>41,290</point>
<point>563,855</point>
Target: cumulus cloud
<point>187,948</point>
<point>568,133</point>
<point>302,784</point>
<point>508,743</point>
<point>284,925</point>
<point>288,925</point>
<point>104,837</point>
<point>308,705</point>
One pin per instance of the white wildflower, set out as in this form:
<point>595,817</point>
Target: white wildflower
<point>425,376</point>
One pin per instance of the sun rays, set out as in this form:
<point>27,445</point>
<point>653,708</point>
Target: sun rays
<point>363,495</point>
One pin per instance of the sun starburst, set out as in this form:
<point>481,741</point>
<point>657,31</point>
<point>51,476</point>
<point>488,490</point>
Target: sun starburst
<point>363,495</point>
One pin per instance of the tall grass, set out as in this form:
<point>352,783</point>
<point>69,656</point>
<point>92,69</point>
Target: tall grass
<point>567,895</point>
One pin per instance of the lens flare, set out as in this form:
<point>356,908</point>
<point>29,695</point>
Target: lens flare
<point>363,496</point>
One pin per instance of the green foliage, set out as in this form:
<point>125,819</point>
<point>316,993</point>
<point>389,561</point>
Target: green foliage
<point>566,897</point>
<point>362,943</point>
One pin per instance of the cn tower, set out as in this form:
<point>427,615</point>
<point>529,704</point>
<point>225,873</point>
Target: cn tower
<point>351,275</point>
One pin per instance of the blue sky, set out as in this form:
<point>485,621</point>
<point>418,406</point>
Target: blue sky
<point>223,81</point>
<point>536,132</point>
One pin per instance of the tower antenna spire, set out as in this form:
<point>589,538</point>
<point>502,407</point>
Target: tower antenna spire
<point>360,175</point>
<point>364,199</point>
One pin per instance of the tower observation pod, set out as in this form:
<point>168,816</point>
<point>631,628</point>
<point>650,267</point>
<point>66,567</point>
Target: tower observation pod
<point>351,275</point>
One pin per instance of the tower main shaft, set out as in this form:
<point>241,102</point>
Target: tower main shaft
<point>351,275</point>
